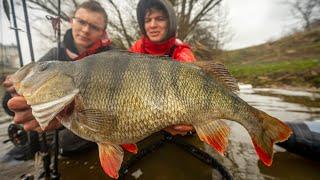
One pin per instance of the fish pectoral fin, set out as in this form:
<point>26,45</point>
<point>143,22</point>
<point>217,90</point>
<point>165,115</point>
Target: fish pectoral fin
<point>220,73</point>
<point>215,133</point>
<point>97,120</point>
<point>132,148</point>
<point>45,112</point>
<point>111,156</point>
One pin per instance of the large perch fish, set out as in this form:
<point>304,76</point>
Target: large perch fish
<point>118,98</point>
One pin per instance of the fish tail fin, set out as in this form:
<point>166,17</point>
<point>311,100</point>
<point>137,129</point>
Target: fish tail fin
<point>273,130</point>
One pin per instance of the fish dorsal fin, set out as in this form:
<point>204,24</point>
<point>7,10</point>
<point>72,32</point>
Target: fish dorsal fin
<point>215,133</point>
<point>132,148</point>
<point>219,72</point>
<point>45,112</point>
<point>111,157</point>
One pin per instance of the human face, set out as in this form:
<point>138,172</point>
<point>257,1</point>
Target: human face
<point>87,27</point>
<point>156,25</point>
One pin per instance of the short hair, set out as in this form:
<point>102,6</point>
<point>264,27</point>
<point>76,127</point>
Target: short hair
<point>94,6</point>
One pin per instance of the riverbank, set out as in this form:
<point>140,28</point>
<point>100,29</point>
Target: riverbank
<point>290,62</point>
<point>300,74</point>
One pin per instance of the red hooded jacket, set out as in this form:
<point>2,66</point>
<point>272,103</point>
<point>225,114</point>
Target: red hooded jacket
<point>173,47</point>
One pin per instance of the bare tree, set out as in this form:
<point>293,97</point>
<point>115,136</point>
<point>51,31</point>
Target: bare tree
<point>209,38</point>
<point>124,28</point>
<point>305,10</point>
<point>51,7</point>
<point>192,13</point>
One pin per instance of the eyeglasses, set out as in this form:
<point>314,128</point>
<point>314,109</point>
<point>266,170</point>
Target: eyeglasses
<point>84,23</point>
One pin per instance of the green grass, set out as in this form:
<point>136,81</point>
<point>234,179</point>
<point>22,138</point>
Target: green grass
<point>293,60</point>
<point>268,68</point>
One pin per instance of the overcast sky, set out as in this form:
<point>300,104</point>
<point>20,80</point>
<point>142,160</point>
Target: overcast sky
<point>257,21</point>
<point>252,22</point>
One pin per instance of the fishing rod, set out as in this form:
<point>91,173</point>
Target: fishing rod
<point>5,7</point>
<point>17,135</point>
<point>16,32</point>
<point>28,29</point>
<point>54,173</point>
<point>44,150</point>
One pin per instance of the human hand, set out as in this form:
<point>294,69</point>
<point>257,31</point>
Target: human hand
<point>8,85</point>
<point>181,129</point>
<point>23,115</point>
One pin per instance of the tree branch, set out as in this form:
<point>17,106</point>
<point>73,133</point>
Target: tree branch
<point>121,23</point>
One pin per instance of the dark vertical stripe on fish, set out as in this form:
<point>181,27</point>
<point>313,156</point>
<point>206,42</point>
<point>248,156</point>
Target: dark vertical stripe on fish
<point>118,70</point>
<point>155,81</point>
<point>174,73</point>
<point>208,92</point>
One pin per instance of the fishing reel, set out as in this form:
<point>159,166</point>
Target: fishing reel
<point>17,135</point>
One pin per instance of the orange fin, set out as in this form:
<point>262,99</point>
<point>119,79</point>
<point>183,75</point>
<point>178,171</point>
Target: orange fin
<point>265,157</point>
<point>272,131</point>
<point>132,148</point>
<point>215,133</point>
<point>111,157</point>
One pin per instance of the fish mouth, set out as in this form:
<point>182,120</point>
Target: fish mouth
<point>29,89</point>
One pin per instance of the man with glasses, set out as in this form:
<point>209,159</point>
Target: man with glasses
<point>86,36</point>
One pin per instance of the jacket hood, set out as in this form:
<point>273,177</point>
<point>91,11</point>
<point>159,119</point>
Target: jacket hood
<point>142,7</point>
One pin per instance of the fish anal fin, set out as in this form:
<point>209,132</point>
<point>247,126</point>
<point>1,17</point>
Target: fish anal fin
<point>265,157</point>
<point>111,157</point>
<point>220,73</point>
<point>215,133</point>
<point>132,148</point>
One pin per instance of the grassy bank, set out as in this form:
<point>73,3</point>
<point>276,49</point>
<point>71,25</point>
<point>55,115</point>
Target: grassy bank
<point>299,72</point>
<point>290,61</point>
<point>267,68</point>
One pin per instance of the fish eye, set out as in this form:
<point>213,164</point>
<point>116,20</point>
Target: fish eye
<point>43,66</point>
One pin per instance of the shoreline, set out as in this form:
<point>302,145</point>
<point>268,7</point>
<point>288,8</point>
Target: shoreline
<point>291,88</point>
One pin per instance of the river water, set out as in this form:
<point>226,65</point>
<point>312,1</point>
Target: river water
<point>170,162</point>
